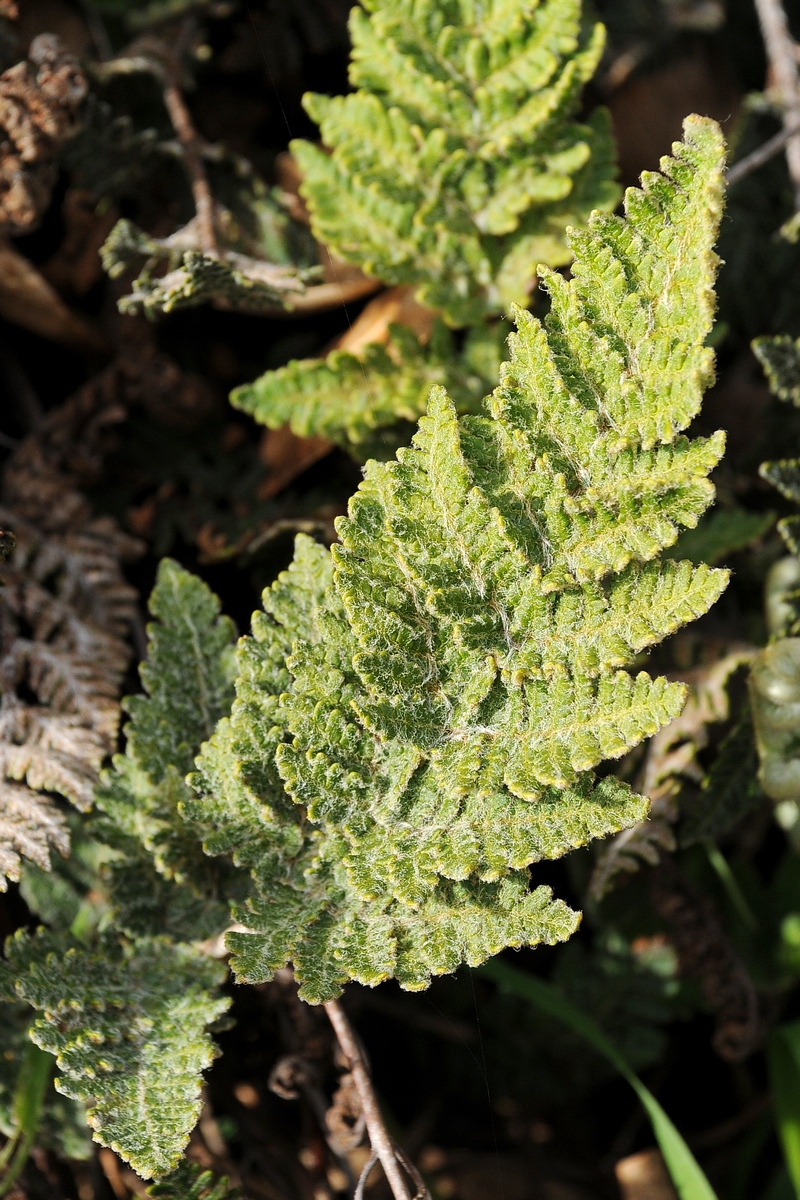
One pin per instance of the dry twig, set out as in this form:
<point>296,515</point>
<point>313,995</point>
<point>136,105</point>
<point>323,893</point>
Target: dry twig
<point>782,55</point>
<point>191,144</point>
<point>762,154</point>
<point>390,1156</point>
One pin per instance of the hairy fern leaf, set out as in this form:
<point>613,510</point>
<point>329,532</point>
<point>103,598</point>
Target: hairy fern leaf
<point>188,681</point>
<point>128,1028</point>
<point>458,163</point>
<point>436,693</point>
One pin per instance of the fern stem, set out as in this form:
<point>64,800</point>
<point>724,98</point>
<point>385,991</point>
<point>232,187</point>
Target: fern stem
<point>378,1133</point>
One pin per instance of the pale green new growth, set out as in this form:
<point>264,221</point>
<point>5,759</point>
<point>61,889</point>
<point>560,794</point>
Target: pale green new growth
<point>362,400</point>
<point>436,709</point>
<point>457,164</point>
<point>128,1029</point>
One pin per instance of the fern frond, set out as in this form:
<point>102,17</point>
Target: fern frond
<point>457,164</point>
<point>437,710</point>
<point>128,1029</point>
<point>188,682</point>
<point>174,273</point>
<point>366,401</point>
<point>63,617</point>
<point>671,770</point>
<point>730,790</point>
<point>29,827</point>
<point>775,675</point>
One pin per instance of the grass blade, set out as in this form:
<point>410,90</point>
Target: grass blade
<point>29,1095</point>
<point>783,1058</point>
<point>686,1174</point>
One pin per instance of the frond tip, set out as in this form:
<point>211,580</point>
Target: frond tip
<point>420,712</point>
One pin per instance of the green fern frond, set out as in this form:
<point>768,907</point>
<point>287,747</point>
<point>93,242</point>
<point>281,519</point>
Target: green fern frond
<point>174,273</point>
<point>188,681</point>
<point>366,401</point>
<point>436,710</point>
<point>128,1028</point>
<point>457,164</point>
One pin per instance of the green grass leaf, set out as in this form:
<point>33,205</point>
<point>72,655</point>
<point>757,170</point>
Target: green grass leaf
<point>685,1172</point>
<point>783,1059</point>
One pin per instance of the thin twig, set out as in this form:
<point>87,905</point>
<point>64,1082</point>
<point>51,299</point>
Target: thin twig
<point>762,154</point>
<point>184,128</point>
<point>378,1133</point>
<point>364,1176</point>
<point>782,55</point>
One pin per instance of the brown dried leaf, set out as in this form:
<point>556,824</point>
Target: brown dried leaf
<point>27,299</point>
<point>39,103</point>
<point>64,615</point>
<point>288,456</point>
<point>29,826</point>
<point>345,1119</point>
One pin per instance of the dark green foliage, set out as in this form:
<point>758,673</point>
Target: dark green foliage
<point>174,276</point>
<point>631,993</point>
<point>190,1182</point>
<point>729,791</point>
<point>109,156</point>
<point>780,358</point>
<point>127,1025</point>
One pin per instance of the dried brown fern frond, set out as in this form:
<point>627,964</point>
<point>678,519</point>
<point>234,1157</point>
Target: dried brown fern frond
<point>64,615</point>
<point>39,103</point>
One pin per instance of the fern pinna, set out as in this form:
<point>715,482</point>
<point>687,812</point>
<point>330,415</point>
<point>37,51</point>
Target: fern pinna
<point>775,674</point>
<point>420,711</point>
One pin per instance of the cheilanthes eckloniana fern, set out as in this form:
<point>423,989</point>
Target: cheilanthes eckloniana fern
<point>128,1026</point>
<point>420,712</point>
<point>775,673</point>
